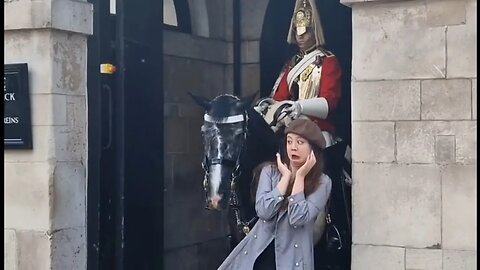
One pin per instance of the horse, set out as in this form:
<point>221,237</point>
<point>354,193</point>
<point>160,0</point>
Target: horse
<point>236,140</point>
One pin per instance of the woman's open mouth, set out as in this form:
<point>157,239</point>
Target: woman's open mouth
<point>295,157</point>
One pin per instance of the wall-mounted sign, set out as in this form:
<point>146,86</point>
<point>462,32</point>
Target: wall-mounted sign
<point>16,99</point>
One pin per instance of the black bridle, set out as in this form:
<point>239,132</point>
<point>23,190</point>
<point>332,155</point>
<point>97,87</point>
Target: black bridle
<point>234,202</point>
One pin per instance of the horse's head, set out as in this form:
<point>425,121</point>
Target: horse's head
<point>224,133</point>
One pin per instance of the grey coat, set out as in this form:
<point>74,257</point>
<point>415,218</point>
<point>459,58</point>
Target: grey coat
<point>292,228</point>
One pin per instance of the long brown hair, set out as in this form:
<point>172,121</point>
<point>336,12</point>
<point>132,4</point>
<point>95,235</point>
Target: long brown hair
<point>311,180</point>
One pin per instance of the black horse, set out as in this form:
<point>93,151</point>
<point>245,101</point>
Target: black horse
<point>236,140</point>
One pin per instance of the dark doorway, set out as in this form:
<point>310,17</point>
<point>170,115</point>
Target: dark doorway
<point>274,49</point>
<point>125,136</point>
<point>336,20</point>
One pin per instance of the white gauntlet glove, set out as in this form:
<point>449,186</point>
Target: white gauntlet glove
<point>313,107</point>
<point>295,110</point>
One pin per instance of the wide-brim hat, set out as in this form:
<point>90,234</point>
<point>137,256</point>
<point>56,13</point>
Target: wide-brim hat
<point>308,130</point>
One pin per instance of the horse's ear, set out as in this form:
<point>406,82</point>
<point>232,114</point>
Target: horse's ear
<point>202,101</point>
<point>248,100</point>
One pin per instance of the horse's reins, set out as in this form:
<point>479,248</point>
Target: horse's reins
<point>243,226</point>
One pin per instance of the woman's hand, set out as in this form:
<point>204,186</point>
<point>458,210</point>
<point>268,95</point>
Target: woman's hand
<point>286,173</point>
<point>307,166</point>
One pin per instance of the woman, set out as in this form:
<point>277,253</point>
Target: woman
<point>290,195</point>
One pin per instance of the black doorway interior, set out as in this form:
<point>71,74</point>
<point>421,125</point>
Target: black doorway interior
<point>125,137</point>
<point>274,50</point>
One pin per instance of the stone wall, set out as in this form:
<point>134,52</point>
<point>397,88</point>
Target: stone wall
<point>414,128</point>
<point>199,62</point>
<point>45,188</point>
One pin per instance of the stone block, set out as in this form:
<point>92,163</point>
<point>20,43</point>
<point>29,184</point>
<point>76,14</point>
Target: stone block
<point>176,258</point>
<point>188,222</point>
<point>176,135</point>
<point>250,79</point>
<point>188,173</point>
<point>462,46</point>
<point>201,19</point>
<point>34,250</point>
<point>406,209</point>
<point>459,260</point>
<point>466,142</point>
<point>423,259</point>
<point>69,145</point>
<point>413,51</point>
<point>195,143</point>
<point>228,20</point>
<point>195,48</point>
<point>373,141</point>
<point>76,114</point>
<point>219,247</point>
<point>250,52</point>
<point>41,19</point>
<point>445,149</point>
<point>228,78</point>
<point>10,250</point>
<point>253,14</point>
<point>445,12</point>
<point>69,59</point>
<point>69,195</point>
<point>474,99</point>
<point>69,249</point>
<point>446,100</point>
<point>416,140</point>
<point>32,47</point>
<point>215,11</point>
<point>43,147</point>
<point>27,195</point>
<point>459,211</point>
<point>366,257</point>
<point>72,16</point>
<point>204,78</point>
<point>386,100</point>
<point>49,110</point>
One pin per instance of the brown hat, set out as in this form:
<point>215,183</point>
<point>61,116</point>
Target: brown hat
<point>307,129</point>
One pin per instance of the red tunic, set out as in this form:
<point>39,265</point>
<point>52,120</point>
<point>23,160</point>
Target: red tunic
<point>330,89</point>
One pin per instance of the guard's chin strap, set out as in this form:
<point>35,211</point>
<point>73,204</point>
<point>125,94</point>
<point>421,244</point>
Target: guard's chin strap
<point>234,202</point>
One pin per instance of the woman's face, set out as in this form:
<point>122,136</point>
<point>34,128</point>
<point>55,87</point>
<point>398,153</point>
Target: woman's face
<point>306,40</point>
<point>298,149</point>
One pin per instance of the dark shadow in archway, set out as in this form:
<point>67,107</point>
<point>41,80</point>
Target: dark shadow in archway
<point>274,52</point>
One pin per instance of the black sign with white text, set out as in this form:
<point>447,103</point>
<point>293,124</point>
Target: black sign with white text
<point>16,99</point>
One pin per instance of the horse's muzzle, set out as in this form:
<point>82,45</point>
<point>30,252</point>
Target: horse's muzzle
<point>216,203</point>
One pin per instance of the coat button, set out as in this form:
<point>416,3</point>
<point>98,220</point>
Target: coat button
<point>264,221</point>
<point>280,198</point>
<point>245,252</point>
<point>255,236</point>
<point>291,199</point>
<point>297,264</point>
<point>295,226</point>
<point>295,245</point>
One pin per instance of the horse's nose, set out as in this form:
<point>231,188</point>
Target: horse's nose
<point>215,201</point>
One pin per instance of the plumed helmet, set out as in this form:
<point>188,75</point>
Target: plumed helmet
<point>305,15</point>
